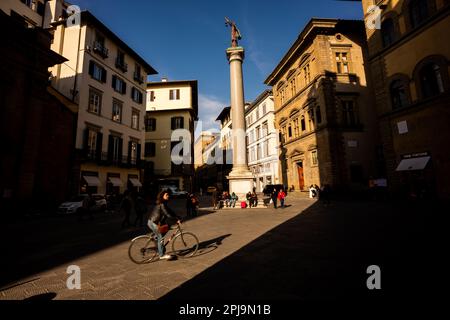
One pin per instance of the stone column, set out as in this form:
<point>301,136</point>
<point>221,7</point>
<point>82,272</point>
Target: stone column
<point>240,178</point>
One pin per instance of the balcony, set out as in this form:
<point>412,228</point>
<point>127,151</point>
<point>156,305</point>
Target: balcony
<point>138,77</point>
<point>100,49</point>
<point>121,65</point>
<point>103,160</point>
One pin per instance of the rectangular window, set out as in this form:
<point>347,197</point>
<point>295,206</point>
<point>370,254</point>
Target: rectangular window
<point>92,144</point>
<point>174,94</point>
<point>258,133</point>
<point>135,119</point>
<point>95,101</point>
<point>314,161</point>
<point>150,124</point>
<point>318,115</point>
<point>257,113</point>
<point>349,115</point>
<point>307,74</point>
<point>97,72</point>
<point>115,145</point>
<point>296,132</point>
<point>136,95</point>
<point>120,61</point>
<point>311,120</point>
<point>293,88</point>
<point>265,128</point>
<point>137,74</point>
<point>150,149</point>
<point>264,109</point>
<point>99,45</point>
<point>117,111</point>
<point>119,85</point>
<point>152,96</point>
<point>290,131</point>
<point>342,62</point>
<point>303,123</point>
<point>134,151</point>
<point>267,148</point>
<point>177,123</point>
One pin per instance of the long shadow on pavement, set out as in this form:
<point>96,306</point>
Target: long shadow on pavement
<point>32,246</point>
<point>323,254</point>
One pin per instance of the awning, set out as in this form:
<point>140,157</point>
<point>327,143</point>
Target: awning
<point>92,181</point>
<point>413,164</point>
<point>135,182</point>
<point>116,182</point>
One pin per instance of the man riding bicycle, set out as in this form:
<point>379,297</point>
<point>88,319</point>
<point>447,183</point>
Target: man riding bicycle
<point>159,220</point>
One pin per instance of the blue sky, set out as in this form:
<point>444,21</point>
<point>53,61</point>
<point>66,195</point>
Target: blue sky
<point>187,39</point>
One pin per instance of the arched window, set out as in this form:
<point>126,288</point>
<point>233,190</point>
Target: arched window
<point>418,12</point>
<point>399,96</point>
<point>430,78</point>
<point>388,32</point>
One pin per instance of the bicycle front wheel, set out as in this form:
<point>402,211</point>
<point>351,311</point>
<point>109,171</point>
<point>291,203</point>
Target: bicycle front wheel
<point>185,245</point>
<point>143,249</point>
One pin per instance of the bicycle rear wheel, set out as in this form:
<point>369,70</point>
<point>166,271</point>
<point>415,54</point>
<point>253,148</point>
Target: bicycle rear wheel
<point>143,249</point>
<point>185,245</point>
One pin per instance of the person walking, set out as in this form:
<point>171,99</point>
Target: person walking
<point>87,207</point>
<point>126,207</point>
<point>194,203</point>
<point>162,215</point>
<point>141,209</point>
<point>214,199</point>
<point>189,205</point>
<point>274,197</point>
<point>281,197</point>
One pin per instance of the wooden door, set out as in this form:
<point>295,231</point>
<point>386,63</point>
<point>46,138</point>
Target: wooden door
<point>301,179</point>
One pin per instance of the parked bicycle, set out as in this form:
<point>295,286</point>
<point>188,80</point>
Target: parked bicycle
<point>144,249</point>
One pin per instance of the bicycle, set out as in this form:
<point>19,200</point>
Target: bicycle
<point>144,249</point>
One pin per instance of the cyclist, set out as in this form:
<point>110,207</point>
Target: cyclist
<point>161,215</point>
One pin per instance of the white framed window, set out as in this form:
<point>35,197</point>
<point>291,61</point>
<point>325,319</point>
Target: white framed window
<point>174,94</point>
<point>95,101</point>
<point>117,111</point>
<point>135,119</point>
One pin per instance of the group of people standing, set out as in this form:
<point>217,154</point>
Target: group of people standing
<point>276,196</point>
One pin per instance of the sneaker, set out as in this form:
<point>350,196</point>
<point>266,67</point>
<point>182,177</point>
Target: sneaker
<point>165,257</point>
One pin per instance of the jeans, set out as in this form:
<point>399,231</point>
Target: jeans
<point>232,203</point>
<point>154,228</point>
<point>282,203</point>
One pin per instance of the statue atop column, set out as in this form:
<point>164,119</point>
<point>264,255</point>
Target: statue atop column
<point>235,33</point>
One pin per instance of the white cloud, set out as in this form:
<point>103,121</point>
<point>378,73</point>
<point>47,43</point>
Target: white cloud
<point>209,108</point>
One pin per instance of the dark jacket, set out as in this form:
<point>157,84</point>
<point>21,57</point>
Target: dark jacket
<point>161,213</point>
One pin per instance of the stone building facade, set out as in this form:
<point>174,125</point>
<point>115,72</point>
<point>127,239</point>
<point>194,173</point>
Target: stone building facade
<point>409,58</point>
<point>324,108</point>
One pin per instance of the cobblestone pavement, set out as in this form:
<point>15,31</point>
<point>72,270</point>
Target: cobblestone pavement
<point>109,273</point>
<point>307,251</point>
